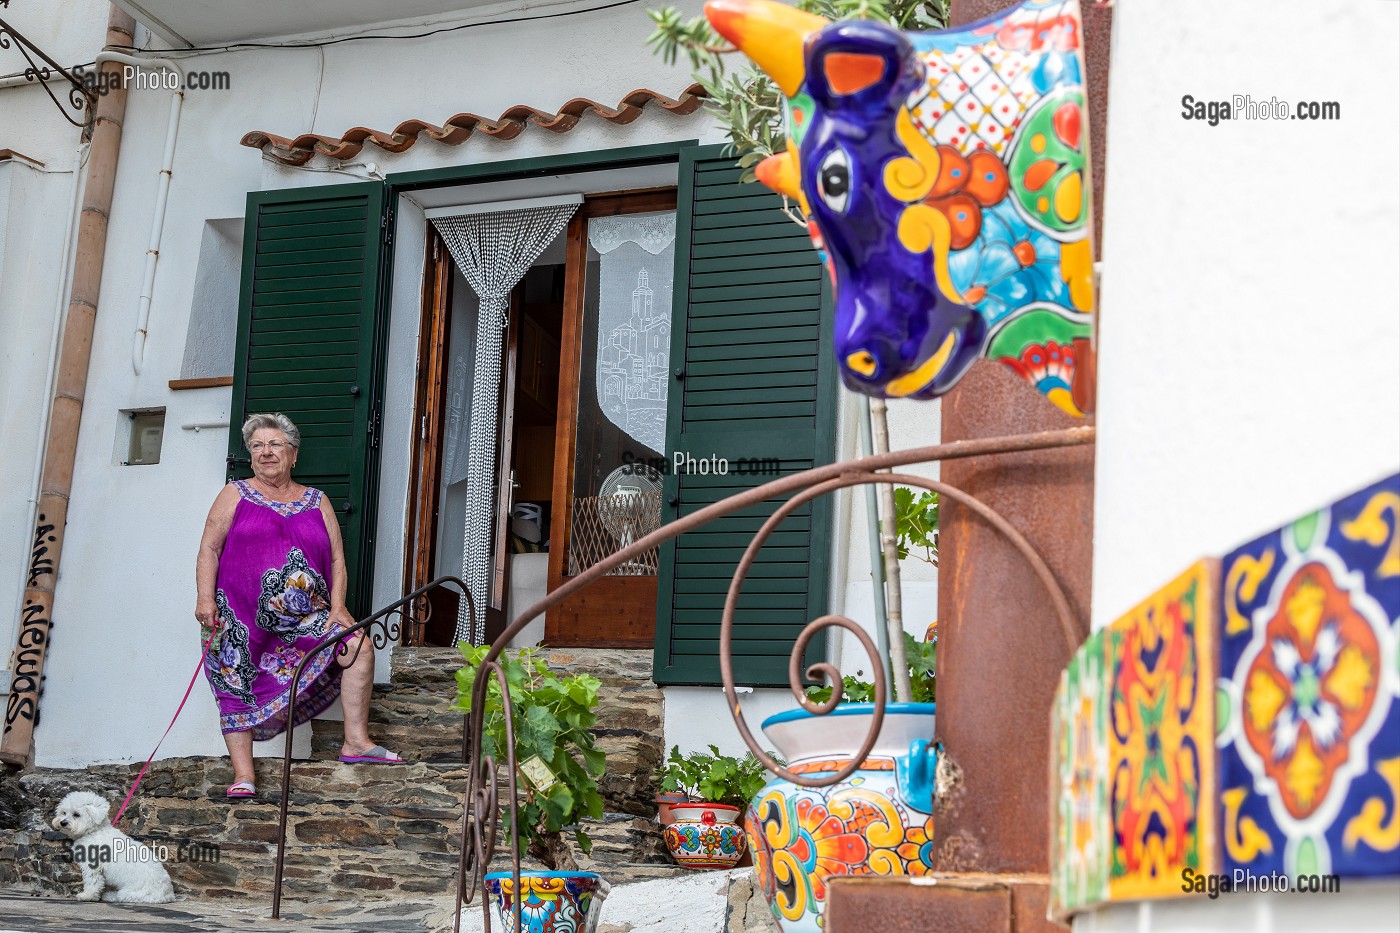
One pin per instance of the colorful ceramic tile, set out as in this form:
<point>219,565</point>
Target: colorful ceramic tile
<point>1079,811</point>
<point>1161,726</point>
<point>1309,676</point>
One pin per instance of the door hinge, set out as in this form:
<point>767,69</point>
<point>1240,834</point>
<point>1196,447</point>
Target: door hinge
<point>372,428</point>
<point>386,229</point>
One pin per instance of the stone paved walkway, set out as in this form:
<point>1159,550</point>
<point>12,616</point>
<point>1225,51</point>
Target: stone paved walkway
<point>20,914</point>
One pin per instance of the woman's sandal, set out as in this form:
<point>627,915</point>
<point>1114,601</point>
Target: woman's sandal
<point>241,790</point>
<point>379,755</point>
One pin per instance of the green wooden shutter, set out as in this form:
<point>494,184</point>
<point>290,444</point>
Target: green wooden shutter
<point>307,332</point>
<point>752,338</point>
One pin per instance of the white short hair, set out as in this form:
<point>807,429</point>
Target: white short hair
<point>275,420</point>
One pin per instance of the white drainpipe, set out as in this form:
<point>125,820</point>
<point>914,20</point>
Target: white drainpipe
<point>167,165</point>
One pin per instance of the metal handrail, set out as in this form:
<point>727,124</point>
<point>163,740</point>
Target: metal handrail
<point>385,626</point>
<point>481,805</point>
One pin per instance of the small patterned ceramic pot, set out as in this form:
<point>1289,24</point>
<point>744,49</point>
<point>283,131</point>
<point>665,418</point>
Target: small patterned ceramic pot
<point>708,842</point>
<point>550,901</point>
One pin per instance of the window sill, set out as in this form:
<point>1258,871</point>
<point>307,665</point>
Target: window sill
<point>211,382</point>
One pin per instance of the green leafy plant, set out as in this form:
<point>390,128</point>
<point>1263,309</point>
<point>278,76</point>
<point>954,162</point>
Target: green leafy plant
<point>746,101</point>
<point>714,777</point>
<point>916,524</point>
<point>558,763</point>
<point>923,661</point>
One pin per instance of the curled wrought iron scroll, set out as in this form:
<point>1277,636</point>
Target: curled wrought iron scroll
<point>80,96</point>
<point>829,673</point>
<point>480,805</point>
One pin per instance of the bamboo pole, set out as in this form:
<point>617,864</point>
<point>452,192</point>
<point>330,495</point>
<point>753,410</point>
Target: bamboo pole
<point>60,449</point>
<point>877,551</point>
<point>894,602</point>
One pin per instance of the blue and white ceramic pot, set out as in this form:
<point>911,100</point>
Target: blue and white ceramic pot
<point>550,901</point>
<point>878,821</point>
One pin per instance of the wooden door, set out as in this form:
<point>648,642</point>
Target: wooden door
<point>615,611</point>
<point>496,619</point>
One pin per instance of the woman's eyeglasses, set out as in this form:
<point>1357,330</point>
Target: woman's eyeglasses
<point>276,447</point>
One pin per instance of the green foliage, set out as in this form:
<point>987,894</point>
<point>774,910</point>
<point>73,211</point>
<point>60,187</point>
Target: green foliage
<point>747,102</point>
<point>923,661</point>
<point>714,777</point>
<point>552,716</point>
<point>916,523</point>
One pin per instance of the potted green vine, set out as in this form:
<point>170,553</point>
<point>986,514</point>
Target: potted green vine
<point>706,829</point>
<point>558,766</point>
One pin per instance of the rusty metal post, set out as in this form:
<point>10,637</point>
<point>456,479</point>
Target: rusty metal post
<point>1000,646</point>
<point>36,617</point>
<point>1000,649</point>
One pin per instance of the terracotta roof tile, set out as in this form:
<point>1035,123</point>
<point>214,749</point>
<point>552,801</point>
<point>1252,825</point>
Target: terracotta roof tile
<point>460,128</point>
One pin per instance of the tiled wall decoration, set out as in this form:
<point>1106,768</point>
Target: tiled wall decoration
<point>1286,761</point>
<point>1309,733</point>
<point>1160,738</point>
<point>1079,817</point>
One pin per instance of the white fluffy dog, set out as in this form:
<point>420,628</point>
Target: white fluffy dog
<point>109,859</point>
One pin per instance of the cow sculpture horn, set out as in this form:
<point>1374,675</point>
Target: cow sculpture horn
<point>771,34</point>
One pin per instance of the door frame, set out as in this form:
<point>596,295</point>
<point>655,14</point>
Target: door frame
<point>405,183</point>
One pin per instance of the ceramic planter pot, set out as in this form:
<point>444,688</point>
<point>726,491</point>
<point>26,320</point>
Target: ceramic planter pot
<point>877,821</point>
<point>713,839</point>
<point>550,901</point>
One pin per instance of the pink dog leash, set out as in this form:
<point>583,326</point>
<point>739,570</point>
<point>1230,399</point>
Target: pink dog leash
<point>178,710</point>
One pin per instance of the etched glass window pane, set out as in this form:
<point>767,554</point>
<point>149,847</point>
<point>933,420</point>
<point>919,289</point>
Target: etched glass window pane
<point>624,377</point>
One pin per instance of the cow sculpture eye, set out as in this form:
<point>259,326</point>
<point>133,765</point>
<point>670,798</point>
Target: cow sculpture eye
<point>835,180</point>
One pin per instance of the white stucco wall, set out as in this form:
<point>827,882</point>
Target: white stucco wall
<point>124,638</point>
<point>37,215</point>
<point>1249,366</point>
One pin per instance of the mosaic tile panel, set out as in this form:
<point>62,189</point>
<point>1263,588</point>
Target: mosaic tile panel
<point>1309,722</point>
<point>1161,667</point>
<point>1079,815</point>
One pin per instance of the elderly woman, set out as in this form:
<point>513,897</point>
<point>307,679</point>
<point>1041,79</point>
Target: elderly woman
<point>271,578</point>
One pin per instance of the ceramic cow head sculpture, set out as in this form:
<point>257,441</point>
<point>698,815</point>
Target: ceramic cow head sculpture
<point>944,179</point>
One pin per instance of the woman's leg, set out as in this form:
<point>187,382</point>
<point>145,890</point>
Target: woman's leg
<point>240,753</point>
<point>356,685</point>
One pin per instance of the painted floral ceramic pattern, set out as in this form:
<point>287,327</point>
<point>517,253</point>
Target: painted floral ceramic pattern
<point>801,838</point>
<point>1080,819</point>
<point>560,904</point>
<point>1161,757</point>
<point>1310,729</point>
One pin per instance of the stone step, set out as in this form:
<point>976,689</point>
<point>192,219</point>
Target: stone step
<point>416,715</point>
<point>371,831</point>
<point>432,671</point>
<point>402,837</point>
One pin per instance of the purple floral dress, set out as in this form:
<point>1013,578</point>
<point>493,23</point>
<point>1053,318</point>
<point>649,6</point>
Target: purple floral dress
<point>274,604</point>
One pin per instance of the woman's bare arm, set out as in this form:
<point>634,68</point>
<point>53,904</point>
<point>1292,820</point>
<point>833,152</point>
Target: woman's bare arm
<point>211,546</point>
<point>339,578</point>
